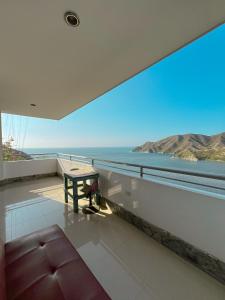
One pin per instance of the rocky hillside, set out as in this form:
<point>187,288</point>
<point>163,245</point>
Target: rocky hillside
<point>13,154</point>
<point>189,146</point>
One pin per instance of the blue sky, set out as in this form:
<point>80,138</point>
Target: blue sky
<point>184,93</point>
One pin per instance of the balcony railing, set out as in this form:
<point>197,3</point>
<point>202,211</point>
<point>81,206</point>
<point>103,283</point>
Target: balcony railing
<point>215,181</point>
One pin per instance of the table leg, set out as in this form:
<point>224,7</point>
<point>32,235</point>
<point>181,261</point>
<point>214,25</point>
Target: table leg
<point>75,197</point>
<point>66,189</point>
<point>98,198</point>
<point>97,194</point>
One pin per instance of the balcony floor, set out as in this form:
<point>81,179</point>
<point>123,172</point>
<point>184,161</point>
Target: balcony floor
<point>128,264</point>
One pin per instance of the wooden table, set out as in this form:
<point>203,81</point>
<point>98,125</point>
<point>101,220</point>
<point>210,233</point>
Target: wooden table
<point>75,179</point>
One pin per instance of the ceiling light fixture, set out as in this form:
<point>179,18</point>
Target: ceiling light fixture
<point>71,19</point>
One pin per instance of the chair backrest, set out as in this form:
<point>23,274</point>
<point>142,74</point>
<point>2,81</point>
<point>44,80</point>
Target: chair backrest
<point>2,272</point>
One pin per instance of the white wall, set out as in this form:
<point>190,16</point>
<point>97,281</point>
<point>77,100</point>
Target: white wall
<point>64,165</point>
<point>194,217</point>
<point>13,169</point>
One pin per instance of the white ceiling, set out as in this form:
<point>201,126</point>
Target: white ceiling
<point>60,68</point>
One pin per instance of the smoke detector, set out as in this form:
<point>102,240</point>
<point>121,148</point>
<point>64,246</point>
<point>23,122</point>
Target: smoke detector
<point>71,19</point>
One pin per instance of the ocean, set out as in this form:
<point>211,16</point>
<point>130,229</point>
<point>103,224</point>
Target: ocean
<point>125,154</point>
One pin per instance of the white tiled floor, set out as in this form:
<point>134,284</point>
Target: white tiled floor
<point>127,263</point>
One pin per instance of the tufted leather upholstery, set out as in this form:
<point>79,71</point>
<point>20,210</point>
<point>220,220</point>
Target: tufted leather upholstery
<point>45,266</point>
<point>2,272</point>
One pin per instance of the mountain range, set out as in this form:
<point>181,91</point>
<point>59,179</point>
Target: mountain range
<point>189,146</point>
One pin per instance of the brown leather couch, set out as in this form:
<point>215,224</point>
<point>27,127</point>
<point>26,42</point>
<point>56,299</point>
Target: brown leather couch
<point>45,266</point>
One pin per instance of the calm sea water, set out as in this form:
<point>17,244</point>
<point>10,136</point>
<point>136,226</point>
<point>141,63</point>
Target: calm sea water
<point>125,154</point>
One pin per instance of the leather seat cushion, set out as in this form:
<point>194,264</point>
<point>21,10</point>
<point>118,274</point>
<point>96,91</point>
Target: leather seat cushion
<point>2,272</point>
<point>45,265</point>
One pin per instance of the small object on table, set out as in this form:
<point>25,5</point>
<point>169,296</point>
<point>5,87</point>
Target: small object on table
<point>88,190</point>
